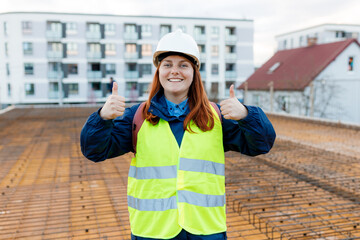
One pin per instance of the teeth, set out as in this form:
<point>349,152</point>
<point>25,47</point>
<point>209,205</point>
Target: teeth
<point>175,80</point>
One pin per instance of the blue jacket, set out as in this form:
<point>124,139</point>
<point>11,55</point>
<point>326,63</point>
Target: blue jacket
<point>102,139</point>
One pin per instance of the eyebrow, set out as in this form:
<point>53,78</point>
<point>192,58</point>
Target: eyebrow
<point>187,61</point>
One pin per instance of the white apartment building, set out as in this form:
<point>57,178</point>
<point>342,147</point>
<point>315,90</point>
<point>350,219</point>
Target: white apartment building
<point>320,34</point>
<point>69,58</point>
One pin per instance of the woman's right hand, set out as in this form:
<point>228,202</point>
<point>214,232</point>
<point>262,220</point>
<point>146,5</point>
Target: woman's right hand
<point>114,106</point>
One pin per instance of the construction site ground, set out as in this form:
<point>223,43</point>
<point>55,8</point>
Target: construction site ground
<point>307,187</point>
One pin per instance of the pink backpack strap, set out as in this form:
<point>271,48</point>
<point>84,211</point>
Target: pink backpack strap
<point>217,110</point>
<point>138,120</point>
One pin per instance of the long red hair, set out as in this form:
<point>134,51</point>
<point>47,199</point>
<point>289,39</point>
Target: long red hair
<point>200,110</point>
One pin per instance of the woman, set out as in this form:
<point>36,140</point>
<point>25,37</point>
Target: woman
<point>176,184</point>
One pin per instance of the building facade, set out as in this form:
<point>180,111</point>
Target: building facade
<point>321,81</point>
<point>69,58</point>
<point>320,34</point>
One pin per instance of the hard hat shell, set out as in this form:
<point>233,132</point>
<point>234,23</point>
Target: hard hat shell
<point>177,42</point>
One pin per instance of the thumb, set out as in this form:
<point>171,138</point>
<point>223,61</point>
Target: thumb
<point>232,92</point>
<point>115,89</point>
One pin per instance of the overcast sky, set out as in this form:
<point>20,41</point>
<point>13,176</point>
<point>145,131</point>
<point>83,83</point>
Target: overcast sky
<point>271,17</point>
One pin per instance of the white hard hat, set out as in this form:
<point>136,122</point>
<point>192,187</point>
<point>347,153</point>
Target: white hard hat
<point>177,42</point>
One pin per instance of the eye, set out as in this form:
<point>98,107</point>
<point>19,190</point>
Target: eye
<point>167,65</point>
<point>184,65</point>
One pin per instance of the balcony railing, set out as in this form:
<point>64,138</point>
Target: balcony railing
<point>54,35</point>
<point>93,36</point>
<point>200,37</point>
<point>131,55</point>
<point>230,38</point>
<point>94,75</point>
<point>53,94</point>
<point>230,75</point>
<point>203,74</point>
<point>131,74</point>
<point>130,36</point>
<point>93,55</point>
<point>55,74</point>
<point>230,56</point>
<point>54,55</point>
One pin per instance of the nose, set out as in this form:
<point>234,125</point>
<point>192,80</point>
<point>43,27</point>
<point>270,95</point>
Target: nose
<point>174,70</point>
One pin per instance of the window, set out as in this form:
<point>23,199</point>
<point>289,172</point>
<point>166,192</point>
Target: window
<point>183,28</point>
<point>230,31</point>
<point>110,68</point>
<point>5,28</point>
<point>130,48</point>
<point>7,69</point>
<point>214,69</point>
<point>300,41</point>
<point>230,49</point>
<point>201,48</point>
<point>110,29</point>
<point>215,50</point>
<point>93,27</point>
<point>55,47</point>
<point>273,68</point>
<point>94,47</point>
<point>27,48</point>
<point>340,34</point>
<point>73,88</point>
<point>73,69</point>
<point>164,29</point>
<point>29,89</point>
<point>130,28</point>
<point>110,49</point>
<point>54,26</point>
<point>6,49</point>
<point>96,86</point>
<point>71,28</point>
<point>146,50</point>
<point>26,27</point>
<point>199,30</point>
<point>9,89</point>
<point>146,30</point>
<point>72,49</point>
<point>230,67</point>
<point>29,68</point>
<point>145,69</point>
<point>202,67</point>
<point>95,67</point>
<point>54,87</point>
<point>215,32</point>
<point>132,67</point>
<point>351,64</point>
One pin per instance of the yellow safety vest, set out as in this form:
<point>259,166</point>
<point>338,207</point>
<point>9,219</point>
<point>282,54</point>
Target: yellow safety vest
<point>172,188</point>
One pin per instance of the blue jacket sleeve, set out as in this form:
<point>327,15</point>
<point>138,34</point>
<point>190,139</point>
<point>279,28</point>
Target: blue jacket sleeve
<point>102,139</point>
<point>251,136</point>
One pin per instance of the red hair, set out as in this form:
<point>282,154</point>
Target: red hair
<point>200,110</point>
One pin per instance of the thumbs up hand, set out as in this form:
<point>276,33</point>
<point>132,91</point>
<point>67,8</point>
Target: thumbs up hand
<point>232,108</point>
<point>114,106</point>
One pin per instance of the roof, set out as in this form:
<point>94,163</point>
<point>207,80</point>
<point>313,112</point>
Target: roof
<point>294,69</point>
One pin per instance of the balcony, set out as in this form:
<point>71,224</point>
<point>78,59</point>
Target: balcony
<point>202,57</point>
<point>129,56</point>
<point>203,74</point>
<point>55,75</point>
<point>53,35</point>
<point>131,75</point>
<point>94,75</point>
<point>230,75</point>
<point>130,36</point>
<point>200,38</point>
<point>93,36</point>
<point>53,95</point>
<point>54,55</point>
<point>230,39</point>
<point>93,55</point>
<point>230,56</point>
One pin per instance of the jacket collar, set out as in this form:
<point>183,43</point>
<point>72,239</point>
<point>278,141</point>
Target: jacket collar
<point>159,108</point>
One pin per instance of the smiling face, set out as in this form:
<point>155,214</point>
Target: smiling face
<point>176,75</point>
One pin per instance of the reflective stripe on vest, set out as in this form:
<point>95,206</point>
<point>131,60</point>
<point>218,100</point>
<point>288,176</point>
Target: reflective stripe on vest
<point>163,204</point>
<point>172,188</point>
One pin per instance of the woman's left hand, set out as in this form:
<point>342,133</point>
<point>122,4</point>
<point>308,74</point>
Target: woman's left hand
<point>232,108</point>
